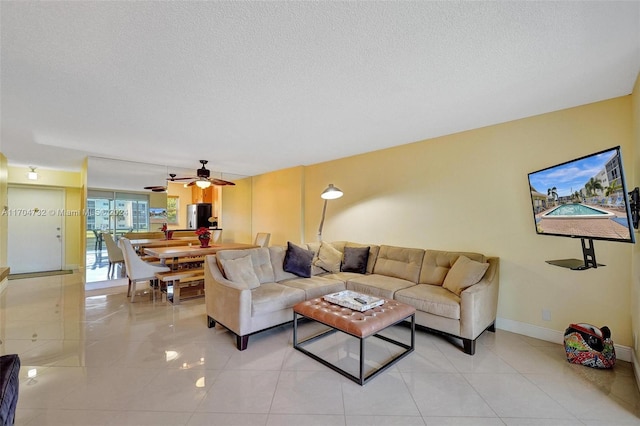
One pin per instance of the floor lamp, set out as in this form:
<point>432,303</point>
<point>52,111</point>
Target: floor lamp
<point>331,193</point>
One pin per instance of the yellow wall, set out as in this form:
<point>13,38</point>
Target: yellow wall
<point>469,191</point>
<point>277,204</point>
<point>75,201</point>
<point>635,282</point>
<point>73,226</point>
<point>236,212</point>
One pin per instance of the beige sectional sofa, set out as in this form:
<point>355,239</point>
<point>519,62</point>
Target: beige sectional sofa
<point>455,293</point>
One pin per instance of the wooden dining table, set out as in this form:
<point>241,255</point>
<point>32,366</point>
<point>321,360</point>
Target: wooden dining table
<point>176,252</point>
<point>142,243</point>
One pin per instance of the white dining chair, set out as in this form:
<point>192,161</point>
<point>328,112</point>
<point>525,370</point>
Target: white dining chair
<point>262,239</point>
<point>216,236</point>
<point>139,270</point>
<point>116,257</point>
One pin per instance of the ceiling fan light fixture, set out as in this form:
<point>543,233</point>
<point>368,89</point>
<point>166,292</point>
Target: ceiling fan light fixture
<point>203,183</point>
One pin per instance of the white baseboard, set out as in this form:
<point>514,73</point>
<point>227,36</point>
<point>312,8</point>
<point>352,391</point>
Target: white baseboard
<point>623,353</point>
<point>636,368</point>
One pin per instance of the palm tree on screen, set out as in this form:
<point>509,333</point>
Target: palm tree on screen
<point>592,186</point>
<point>612,188</point>
<point>576,197</point>
<point>553,193</point>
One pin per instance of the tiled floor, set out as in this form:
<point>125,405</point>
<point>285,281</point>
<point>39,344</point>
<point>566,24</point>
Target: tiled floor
<point>94,358</point>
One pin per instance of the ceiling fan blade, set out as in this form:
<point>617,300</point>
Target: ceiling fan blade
<point>220,182</point>
<point>153,188</point>
<point>179,178</point>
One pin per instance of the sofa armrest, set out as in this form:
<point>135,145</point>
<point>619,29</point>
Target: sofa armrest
<point>479,303</point>
<point>227,302</point>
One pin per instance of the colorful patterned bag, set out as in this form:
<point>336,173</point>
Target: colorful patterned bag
<point>589,345</point>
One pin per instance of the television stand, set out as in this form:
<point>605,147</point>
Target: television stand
<point>589,259</point>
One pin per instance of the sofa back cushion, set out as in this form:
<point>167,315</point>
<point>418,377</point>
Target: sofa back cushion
<point>259,258</point>
<point>437,263</point>
<point>241,270</point>
<point>399,262</point>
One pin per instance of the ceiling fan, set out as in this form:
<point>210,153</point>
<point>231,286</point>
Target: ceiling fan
<point>202,179</point>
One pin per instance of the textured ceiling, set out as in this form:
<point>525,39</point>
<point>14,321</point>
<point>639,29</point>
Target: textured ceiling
<point>259,86</point>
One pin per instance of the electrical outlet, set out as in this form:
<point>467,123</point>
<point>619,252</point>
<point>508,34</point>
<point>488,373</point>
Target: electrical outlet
<point>546,315</point>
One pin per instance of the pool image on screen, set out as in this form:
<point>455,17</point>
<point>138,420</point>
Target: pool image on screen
<point>583,198</point>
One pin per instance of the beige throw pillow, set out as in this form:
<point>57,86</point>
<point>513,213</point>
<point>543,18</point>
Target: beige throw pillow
<point>240,270</point>
<point>464,273</point>
<point>329,258</point>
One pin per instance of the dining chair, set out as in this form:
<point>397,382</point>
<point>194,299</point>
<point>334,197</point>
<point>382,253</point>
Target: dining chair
<point>98,243</point>
<point>116,257</point>
<point>139,270</point>
<point>262,239</point>
<point>216,236</point>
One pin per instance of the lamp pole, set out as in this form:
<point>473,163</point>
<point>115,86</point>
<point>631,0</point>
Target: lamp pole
<point>331,193</point>
<point>324,211</point>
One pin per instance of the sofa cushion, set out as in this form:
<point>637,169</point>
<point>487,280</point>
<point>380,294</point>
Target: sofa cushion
<point>259,258</point>
<point>437,263</point>
<point>273,297</point>
<point>298,260</point>
<point>378,285</point>
<point>315,248</point>
<point>328,258</point>
<point>373,253</point>
<point>342,276</point>
<point>277,254</point>
<point>340,246</point>
<point>464,273</point>
<point>316,286</point>
<point>399,262</point>
<point>355,259</point>
<point>432,299</point>
<point>240,270</point>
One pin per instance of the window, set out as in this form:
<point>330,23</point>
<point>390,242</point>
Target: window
<point>173,205</point>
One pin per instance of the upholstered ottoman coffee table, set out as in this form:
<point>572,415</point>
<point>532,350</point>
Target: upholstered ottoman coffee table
<point>357,324</point>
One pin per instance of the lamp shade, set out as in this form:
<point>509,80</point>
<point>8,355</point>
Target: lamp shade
<point>203,183</point>
<point>331,193</point>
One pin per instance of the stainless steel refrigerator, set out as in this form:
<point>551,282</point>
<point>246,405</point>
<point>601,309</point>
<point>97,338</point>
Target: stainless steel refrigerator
<point>198,215</point>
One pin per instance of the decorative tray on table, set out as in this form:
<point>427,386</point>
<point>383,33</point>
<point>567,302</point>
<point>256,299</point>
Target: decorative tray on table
<point>353,300</point>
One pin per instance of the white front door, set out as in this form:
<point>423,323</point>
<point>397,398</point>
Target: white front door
<point>35,217</point>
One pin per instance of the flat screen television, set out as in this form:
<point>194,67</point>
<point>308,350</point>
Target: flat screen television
<point>584,198</point>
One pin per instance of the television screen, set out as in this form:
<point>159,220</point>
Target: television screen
<point>583,198</point>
